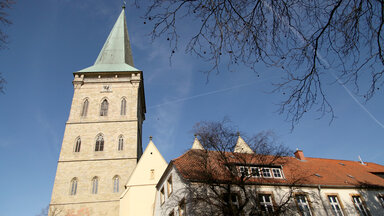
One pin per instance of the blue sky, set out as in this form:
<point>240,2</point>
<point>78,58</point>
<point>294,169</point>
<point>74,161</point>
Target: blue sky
<point>50,39</point>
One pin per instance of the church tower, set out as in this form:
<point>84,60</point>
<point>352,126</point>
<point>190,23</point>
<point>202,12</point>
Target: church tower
<point>102,138</point>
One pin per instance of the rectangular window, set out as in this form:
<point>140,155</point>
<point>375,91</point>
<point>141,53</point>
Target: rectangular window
<point>169,185</point>
<point>359,205</point>
<point>162,195</point>
<point>182,208</point>
<point>267,173</point>
<point>277,173</point>
<point>235,200</point>
<point>255,171</point>
<point>231,199</point>
<point>381,199</point>
<point>335,205</point>
<point>303,205</point>
<point>244,171</point>
<point>265,202</point>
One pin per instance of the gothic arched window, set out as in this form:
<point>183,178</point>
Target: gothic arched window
<point>73,186</point>
<point>84,109</point>
<point>99,146</point>
<point>123,110</point>
<point>78,145</point>
<point>121,143</point>
<point>116,180</point>
<point>104,108</point>
<point>95,185</point>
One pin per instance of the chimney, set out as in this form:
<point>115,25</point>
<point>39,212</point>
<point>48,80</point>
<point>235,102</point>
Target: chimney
<point>299,154</point>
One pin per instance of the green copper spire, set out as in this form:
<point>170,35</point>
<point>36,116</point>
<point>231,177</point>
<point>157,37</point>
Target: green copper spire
<point>116,54</point>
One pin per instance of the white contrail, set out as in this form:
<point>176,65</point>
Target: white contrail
<point>327,65</point>
<point>358,102</point>
<point>203,94</point>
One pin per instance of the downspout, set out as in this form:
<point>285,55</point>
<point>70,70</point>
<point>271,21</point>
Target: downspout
<point>322,201</point>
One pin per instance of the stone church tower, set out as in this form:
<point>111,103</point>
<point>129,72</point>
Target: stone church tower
<point>102,138</point>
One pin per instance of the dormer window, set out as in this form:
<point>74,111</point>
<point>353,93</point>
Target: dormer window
<point>244,171</point>
<point>255,171</point>
<point>261,171</point>
<point>277,173</point>
<point>266,173</point>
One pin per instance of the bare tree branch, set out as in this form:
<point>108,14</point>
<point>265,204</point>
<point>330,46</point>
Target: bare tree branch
<point>307,41</point>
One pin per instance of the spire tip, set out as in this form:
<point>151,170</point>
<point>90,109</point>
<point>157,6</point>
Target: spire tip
<point>124,3</point>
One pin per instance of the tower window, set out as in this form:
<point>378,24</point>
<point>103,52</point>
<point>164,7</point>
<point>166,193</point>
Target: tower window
<point>95,185</point>
<point>84,109</point>
<point>73,186</point>
<point>78,145</point>
<point>123,107</point>
<point>116,180</point>
<point>99,143</point>
<point>104,108</point>
<point>121,143</point>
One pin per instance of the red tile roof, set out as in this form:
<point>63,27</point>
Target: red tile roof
<point>199,165</point>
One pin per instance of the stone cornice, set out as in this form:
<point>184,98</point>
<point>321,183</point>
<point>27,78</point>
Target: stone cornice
<point>99,159</point>
<point>104,121</point>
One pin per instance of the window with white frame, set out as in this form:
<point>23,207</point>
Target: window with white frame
<point>78,145</point>
<point>255,171</point>
<point>104,108</point>
<point>277,173</point>
<point>84,109</point>
<point>73,186</point>
<point>381,199</point>
<point>162,195</point>
<point>169,185</point>
<point>120,146</point>
<point>123,109</point>
<point>266,173</point>
<point>99,145</point>
<point>116,181</point>
<point>359,205</point>
<point>303,205</point>
<point>95,185</point>
<point>265,202</point>
<point>335,205</point>
<point>244,171</point>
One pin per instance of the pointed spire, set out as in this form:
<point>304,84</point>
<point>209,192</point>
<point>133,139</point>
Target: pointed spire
<point>116,54</point>
<point>196,144</point>
<point>242,146</point>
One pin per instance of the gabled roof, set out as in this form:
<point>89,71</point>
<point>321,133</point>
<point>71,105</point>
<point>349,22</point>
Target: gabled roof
<point>151,159</point>
<point>242,146</point>
<point>196,144</point>
<point>312,171</point>
<point>116,54</point>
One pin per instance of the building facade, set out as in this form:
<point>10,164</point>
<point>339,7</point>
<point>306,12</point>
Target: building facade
<point>202,182</point>
<point>102,139</point>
